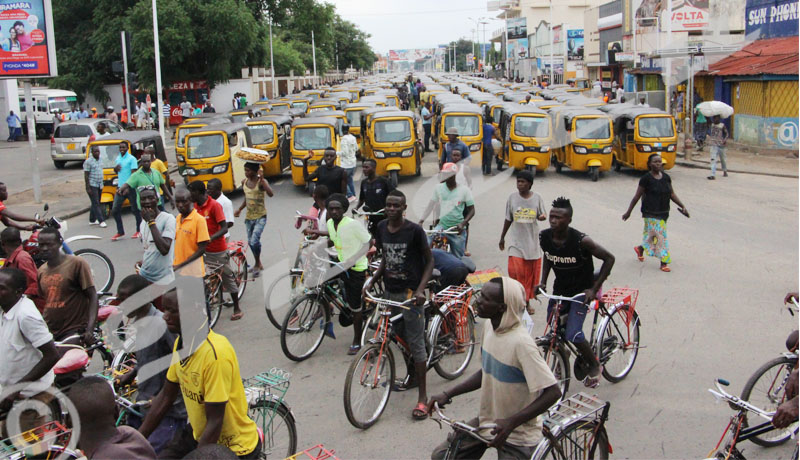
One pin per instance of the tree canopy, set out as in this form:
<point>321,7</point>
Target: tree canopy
<point>199,39</point>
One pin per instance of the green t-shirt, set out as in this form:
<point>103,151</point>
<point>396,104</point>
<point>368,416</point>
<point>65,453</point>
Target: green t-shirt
<point>141,178</point>
<point>452,204</point>
<point>349,239</point>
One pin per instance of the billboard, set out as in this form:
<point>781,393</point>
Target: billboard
<point>27,42</point>
<point>410,55</point>
<point>517,28</point>
<point>575,44</point>
<point>517,49</point>
<point>689,15</point>
<point>771,18</point>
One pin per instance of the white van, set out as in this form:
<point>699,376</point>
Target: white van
<point>45,100</point>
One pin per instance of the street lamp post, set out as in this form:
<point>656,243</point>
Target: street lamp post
<point>271,60</point>
<point>159,92</point>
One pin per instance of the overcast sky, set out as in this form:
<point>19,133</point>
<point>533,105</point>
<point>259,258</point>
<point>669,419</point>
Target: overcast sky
<point>408,24</point>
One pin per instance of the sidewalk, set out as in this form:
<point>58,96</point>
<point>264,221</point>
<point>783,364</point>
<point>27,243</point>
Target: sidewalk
<point>741,161</point>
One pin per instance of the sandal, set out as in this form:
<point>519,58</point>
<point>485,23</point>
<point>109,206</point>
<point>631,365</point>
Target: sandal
<point>353,349</point>
<point>237,316</point>
<point>665,268</point>
<point>420,412</point>
<point>593,381</point>
<point>639,253</point>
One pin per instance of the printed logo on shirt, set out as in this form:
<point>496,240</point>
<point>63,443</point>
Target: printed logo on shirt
<point>525,215</point>
<point>560,260</point>
<point>395,254</point>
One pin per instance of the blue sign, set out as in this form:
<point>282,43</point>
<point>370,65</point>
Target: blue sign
<point>771,18</point>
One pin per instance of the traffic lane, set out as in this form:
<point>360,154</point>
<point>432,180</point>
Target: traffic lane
<point>698,322</point>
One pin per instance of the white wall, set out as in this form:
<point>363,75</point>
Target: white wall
<point>222,94</point>
<point>8,101</point>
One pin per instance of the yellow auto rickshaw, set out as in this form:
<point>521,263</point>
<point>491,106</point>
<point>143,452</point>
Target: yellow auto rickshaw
<point>134,142</point>
<point>526,138</point>
<point>279,106</point>
<point>380,101</point>
<point>494,108</point>
<point>300,102</point>
<point>353,114</point>
<point>313,94</point>
<point>583,140</point>
<point>268,133</point>
<point>467,119</point>
<point>641,131</point>
<point>584,85</point>
<point>355,94</point>
<point>365,118</point>
<point>211,153</point>
<point>322,104</point>
<point>189,127</point>
<point>395,144</point>
<point>241,115</point>
<point>311,135</point>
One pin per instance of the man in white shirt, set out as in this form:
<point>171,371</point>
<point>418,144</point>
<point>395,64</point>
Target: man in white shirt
<point>214,188</point>
<point>186,109</point>
<point>347,159</point>
<point>27,350</point>
<point>620,93</point>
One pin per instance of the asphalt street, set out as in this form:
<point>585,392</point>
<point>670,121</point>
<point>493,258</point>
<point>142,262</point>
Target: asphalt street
<point>718,314</point>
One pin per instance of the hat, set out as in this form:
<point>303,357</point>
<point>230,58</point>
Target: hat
<point>449,167</point>
<point>94,109</point>
<point>452,130</point>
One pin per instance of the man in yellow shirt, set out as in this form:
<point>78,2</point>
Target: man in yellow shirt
<point>191,236</point>
<point>160,166</point>
<point>212,389</point>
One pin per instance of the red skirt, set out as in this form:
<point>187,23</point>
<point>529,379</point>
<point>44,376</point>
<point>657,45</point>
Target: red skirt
<point>527,272</point>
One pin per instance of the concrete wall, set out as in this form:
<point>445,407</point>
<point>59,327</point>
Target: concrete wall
<point>8,102</point>
<point>222,94</point>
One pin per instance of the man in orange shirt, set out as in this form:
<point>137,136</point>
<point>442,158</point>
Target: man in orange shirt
<point>191,236</point>
<point>123,116</point>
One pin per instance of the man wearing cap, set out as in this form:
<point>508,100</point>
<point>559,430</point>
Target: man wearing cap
<point>454,143</point>
<point>454,206</point>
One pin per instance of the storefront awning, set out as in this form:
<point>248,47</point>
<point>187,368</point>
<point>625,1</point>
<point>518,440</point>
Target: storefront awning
<point>774,56</point>
<point>596,64</point>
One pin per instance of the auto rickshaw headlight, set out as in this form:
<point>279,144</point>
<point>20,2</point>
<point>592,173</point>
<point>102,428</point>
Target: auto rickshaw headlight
<point>475,147</point>
<point>607,149</point>
<point>115,182</point>
<point>671,148</point>
<point>297,162</point>
<point>190,172</point>
<point>407,153</point>
<point>646,148</point>
<point>378,154</point>
<point>544,148</point>
<point>180,158</point>
<point>517,147</point>
<point>579,149</point>
<point>219,169</point>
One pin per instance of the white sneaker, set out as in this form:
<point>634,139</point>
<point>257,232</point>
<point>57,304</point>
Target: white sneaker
<point>92,222</point>
<point>103,225</point>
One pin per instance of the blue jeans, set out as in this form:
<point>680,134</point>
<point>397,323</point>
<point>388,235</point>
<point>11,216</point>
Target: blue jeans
<point>718,151</point>
<point>116,210</point>
<point>162,435</point>
<point>576,314</point>
<point>457,242</point>
<point>351,188</point>
<point>254,229</point>
<point>95,211</point>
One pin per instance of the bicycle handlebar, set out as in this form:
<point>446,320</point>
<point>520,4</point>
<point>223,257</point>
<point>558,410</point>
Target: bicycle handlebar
<point>721,395</point>
<point>448,231</point>
<point>462,426</point>
<point>391,303</point>
<point>558,297</point>
<point>357,212</point>
<point>793,307</point>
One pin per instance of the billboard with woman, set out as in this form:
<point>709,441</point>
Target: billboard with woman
<point>27,43</point>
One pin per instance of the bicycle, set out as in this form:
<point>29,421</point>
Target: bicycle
<point>212,283</point>
<point>50,440</point>
<point>616,343</point>
<point>366,215</point>
<point>265,393</point>
<point>439,238</point>
<point>237,259</point>
<point>766,388</point>
<point>737,430</point>
<point>572,429</point>
<point>449,340</point>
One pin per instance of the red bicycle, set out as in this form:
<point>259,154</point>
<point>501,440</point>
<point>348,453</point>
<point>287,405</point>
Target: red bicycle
<point>237,251</point>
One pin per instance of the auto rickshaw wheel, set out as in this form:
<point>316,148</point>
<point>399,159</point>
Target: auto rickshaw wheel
<point>594,172</point>
<point>105,208</point>
<point>393,178</point>
<point>617,164</point>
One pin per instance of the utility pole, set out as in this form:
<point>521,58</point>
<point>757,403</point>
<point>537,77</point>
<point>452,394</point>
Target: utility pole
<point>126,92</point>
<point>37,180</point>
<point>271,60</point>
<point>314,56</point>
<point>552,64</point>
<point>159,92</point>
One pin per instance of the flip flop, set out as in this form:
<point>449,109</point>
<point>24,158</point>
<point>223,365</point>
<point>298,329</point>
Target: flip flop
<point>420,412</point>
<point>353,349</point>
<point>639,253</point>
<point>237,316</point>
<point>593,382</point>
<point>665,268</point>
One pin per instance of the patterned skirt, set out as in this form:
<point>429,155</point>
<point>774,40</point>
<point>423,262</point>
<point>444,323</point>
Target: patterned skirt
<point>655,241</point>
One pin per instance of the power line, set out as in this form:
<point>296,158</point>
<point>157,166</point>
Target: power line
<point>408,13</point>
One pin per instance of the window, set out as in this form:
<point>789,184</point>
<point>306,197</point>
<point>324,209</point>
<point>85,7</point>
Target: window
<point>592,128</point>
<point>354,117</point>
<point>198,147</point>
<point>531,126</point>
<point>112,127</point>
<point>392,131</point>
<point>108,155</point>
<point>41,105</point>
<point>496,114</point>
<point>467,125</point>
<point>300,105</point>
<point>183,132</point>
<point>69,131</point>
<point>262,134</point>
<point>655,127</point>
<point>312,138</point>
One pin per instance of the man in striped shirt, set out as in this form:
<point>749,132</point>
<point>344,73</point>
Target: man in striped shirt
<point>166,111</point>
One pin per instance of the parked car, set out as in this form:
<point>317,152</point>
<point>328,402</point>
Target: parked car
<point>68,142</point>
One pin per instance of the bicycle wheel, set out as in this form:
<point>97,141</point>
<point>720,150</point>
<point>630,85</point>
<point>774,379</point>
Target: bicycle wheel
<point>618,344</point>
<point>101,266</point>
<point>766,389</point>
<point>238,264</point>
<point>453,343</point>
<point>558,362</point>
<point>304,327</point>
<point>368,385</point>
<point>575,442</point>
<point>278,427</point>
<point>280,295</point>
<point>214,302</point>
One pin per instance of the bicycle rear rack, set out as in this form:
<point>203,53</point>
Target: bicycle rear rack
<point>452,293</point>
<point>624,296</point>
<point>271,385</point>
<point>37,441</point>
<point>579,406</point>
<point>318,452</point>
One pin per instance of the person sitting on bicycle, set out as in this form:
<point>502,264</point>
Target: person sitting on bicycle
<point>455,208</point>
<point>374,190</point>
<point>351,240</point>
<point>453,271</point>
<point>318,209</point>
<point>569,253</point>
<point>515,382</point>
<point>12,219</point>
<point>211,384</point>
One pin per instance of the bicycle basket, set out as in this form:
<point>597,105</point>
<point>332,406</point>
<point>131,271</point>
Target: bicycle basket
<point>271,385</point>
<point>451,294</point>
<point>624,296</point>
<point>579,406</point>
<point>316,264</point>
<point>318,452</point>
<point>35,442</point>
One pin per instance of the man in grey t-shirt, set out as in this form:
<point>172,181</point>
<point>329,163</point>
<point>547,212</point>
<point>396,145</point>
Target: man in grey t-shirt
<point>158,234</point>
<point>523,211</point>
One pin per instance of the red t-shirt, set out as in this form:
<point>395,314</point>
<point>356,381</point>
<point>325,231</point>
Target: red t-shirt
<point>212,211</point>
<point>2,206</point>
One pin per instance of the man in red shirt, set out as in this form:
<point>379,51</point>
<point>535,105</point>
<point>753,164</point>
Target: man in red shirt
<point>217,249</point>
<point>12,219</point>
<point>18,258</point>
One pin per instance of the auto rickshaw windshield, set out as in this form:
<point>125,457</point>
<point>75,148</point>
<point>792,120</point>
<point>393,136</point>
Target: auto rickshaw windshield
<point>279,108</point>
<point>300,105</point>
<point>354,117</point>
<point>531,127</point>
<point>496,113</point>
<point>321,108</point>
<point>592,128</point>
<point>467,125</point>
<point>655,127</point>
<point>183,132</point>
<point>212,145</point>
<point>240,118</point>
<point>108,155</point>
<point>262,134</point>
<point>312,138</point>
<point>392,131</point>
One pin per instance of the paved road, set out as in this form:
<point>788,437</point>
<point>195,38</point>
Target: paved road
<point>718,314</point>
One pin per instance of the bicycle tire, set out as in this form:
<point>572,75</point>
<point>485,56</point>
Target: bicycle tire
<point>575,441</point>
<point>238,264</point>
<point>278,301</point>
<point>769,398</point>
<point>558,362</point>
<point>214,305</point>
<point>90,254</point>
<point>451,334</point>
<point>613,333</point>
<point>369,353</point>
<point>261,412</point>
<point>301,323</point>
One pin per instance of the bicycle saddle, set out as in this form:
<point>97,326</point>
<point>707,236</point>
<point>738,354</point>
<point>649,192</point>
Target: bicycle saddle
<point>73,360</point>
<point>104,312</point>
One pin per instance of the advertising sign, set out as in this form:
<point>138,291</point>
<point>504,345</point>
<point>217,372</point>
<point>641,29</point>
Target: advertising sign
<point>27,42</point>
<point>771,18</point>
<point>575,44</point>
<point>410,55</point>
<point>517,28</point>
<point>544,65</point>
<point>689,15</point>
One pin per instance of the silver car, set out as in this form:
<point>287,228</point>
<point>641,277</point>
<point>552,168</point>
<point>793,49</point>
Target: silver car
<point>71,137</point>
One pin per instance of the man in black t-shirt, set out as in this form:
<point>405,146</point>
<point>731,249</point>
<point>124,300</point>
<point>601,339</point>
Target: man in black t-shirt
<point>327,173</point>
<point>569,253</point>
<point>406,267</point>
<point>374,190</point>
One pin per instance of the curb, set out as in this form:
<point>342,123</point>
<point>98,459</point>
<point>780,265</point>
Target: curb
<point>72,214</point>
<point>690,164</point>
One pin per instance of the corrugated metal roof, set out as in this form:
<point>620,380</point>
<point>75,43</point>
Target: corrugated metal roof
<point>774,56</point>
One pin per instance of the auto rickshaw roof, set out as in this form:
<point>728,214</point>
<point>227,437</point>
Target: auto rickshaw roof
<point>278,119</point>
<point>247,108</point>
<point>466,107</point>
<point>332,122</point>
<point>522,109</point>
<point>635,111</point>
<point>296,112</point>
<point>570,113</point>
<point>325,101</point>
<point>584,101</point>
<point>136,137</point>
<point>228,128</point>
<point>374,110</point>
<point>396,114</point>
<point>360,105</point>
<point>220,118</point>
<point>327,113</point>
